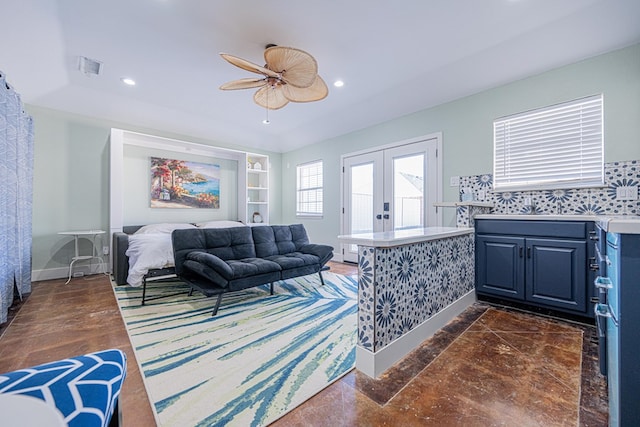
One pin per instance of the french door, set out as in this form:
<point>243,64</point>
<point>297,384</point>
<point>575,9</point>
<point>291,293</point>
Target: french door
<point>390,189</point>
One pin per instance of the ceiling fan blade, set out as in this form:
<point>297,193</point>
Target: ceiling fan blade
<point>297,67</point>
<point>270,97</point>
<point>317,91</point>
<point>243,84</point>
<point>247,65</point>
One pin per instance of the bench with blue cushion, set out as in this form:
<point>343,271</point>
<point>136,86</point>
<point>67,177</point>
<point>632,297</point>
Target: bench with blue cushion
<point>84,389</point>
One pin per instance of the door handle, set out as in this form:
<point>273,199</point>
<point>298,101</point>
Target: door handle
<point>600,328</point>
<point>603,310</point>
<point>603,283</point>
<point>386,216</point>
<point>379,216</point>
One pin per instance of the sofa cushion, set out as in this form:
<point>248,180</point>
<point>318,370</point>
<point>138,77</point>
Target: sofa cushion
<point>222,272</point>
<point>279,239</point>
<point>293,260</point>
<point>225,243</point>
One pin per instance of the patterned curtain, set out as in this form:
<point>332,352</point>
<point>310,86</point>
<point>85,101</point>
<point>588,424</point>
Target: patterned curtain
<point>16,178</point>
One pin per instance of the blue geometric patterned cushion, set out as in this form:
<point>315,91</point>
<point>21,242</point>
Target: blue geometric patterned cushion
<point>85,389</point>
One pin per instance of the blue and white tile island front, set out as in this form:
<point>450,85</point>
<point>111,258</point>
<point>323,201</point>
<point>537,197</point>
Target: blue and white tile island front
<point>410,284</point>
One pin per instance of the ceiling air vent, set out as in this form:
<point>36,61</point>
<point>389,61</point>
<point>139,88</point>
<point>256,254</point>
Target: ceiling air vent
<point>89,67</point>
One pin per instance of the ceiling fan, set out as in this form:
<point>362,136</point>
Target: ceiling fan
<point>289,75</point>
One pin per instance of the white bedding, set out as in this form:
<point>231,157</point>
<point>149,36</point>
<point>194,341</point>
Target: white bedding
<point>146,252</point>
<point>150,247</point>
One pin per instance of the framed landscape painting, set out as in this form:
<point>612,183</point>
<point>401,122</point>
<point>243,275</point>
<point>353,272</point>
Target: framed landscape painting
<point>184,184</point>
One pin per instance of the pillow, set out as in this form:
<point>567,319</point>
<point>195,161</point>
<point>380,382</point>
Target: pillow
<point>219,224</point>
<point>165,228</point>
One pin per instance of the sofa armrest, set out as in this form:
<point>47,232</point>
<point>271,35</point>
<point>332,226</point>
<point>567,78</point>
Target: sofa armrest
<point>210,261</point>
<point>120,260</point>
<point>324,252</point>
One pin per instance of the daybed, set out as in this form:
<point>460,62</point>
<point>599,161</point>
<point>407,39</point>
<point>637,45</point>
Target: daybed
<point>216,261</point>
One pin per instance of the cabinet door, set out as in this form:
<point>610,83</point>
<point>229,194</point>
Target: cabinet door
<point>500,266</point>
<point>556,273</point>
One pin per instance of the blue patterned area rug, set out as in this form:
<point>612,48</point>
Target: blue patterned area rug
<point>257,359</point>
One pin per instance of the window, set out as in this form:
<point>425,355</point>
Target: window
<point>309,189</point>
<point>560,146</point>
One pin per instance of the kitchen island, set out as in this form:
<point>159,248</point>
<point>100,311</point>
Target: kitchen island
<point>410,284</point>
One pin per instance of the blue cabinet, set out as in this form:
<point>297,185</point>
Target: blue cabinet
<point>539,263</point>
<point>500,266</point>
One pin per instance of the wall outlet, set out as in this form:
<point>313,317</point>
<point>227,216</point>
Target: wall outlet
<point>454,181</point>
<point>627,192</point>
<point>527,201</point>
<point>466,194</point>
<point>105,250</point>
<point>482,195</point>
<point>78,274</point>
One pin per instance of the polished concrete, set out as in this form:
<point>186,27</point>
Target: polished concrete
<point>490,366</point>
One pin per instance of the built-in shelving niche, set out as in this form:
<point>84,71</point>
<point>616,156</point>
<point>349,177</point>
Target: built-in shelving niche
<point>252,189</point>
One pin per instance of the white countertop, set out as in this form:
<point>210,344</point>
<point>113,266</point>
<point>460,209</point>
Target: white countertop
<point>626,224</point>
<point>404,237</point>
<point>620,224</point>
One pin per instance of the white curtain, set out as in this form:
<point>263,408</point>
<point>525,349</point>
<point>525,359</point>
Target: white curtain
<point>16,179</point>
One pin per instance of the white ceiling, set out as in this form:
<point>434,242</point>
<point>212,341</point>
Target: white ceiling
<point>395,57</point>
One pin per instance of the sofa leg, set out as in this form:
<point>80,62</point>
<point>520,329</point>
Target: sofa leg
<point>321,279</point>
<point>144,289</point>
<point>271,288</point>
<point>215,308</point>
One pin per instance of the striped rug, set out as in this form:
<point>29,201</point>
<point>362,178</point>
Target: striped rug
<point>257,359</point>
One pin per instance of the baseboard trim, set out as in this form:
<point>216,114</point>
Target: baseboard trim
<point>63,272</point>
<point>374,364</point>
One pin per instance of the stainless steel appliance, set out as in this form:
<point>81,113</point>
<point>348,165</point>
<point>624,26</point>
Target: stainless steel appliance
<point>618,320</point>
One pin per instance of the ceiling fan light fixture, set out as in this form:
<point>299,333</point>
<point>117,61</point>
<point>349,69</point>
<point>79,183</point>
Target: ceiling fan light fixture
<point>289,75</point>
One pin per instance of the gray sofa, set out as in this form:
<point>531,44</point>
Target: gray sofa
<point>216,261</point>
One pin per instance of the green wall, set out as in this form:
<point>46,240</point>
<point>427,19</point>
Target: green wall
<point>71,181</point>
<point>71,178</point>
<point>466,125</point>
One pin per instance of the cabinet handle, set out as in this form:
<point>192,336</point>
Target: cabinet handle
<point>529,252</point>
<point>520,251</point>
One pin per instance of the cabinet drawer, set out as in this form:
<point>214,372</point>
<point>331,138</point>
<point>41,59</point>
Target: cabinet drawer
<point>567,229</point>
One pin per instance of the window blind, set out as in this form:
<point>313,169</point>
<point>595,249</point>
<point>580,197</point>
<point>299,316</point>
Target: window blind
<point>309,189</point>
<point>560,146</point>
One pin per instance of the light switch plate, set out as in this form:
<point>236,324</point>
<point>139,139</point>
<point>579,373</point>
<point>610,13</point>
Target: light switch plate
<point>627,192</point>
<point>454,181</point>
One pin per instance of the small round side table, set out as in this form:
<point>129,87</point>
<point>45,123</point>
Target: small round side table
<point>78,257</point>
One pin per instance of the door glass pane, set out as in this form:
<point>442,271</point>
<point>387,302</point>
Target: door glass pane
<point>408,192</point>
<point>361,200</point>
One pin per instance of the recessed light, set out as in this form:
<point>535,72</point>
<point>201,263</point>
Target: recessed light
<point>266,121</point>
<point>128,81</point>
<point>338,83</point>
